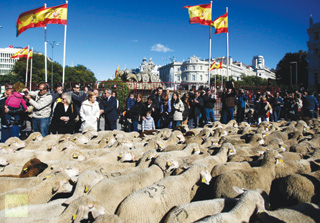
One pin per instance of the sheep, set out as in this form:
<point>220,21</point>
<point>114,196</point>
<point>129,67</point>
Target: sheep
<point>85,182</point>
<point>229,166</point>
<point>191,212</point>
<point>302,213</point>
<point>108,218</point>
<point>15,143</point>
<point>111,193</point>
<point>31,168</point>
<point>249,201</point>
<point>41,193</point>
<point>288,167</point>
<point>35,136</point>
<point>256,177</point>
<point>3,161</point>
<point>161,196</point>
<point>301,188</point>
<point>34,213</point>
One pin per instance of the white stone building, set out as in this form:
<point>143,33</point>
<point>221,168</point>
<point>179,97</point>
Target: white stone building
<point>313,56</point>
<point>6,63</point>
<point>195,71</point>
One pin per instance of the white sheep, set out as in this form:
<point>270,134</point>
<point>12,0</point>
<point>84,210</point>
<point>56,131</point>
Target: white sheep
<point>249,201</point>
<point>151,203</point>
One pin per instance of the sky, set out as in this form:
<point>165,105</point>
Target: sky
<point>104,34</point>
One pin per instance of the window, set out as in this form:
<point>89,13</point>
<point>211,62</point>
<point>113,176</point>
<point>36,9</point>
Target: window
<point>201,78</point>
<point>316,36</point>
<point>200,67</point>
<point>194,67</point>
<point>193,77</point>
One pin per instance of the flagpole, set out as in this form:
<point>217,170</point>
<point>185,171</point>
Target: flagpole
<point>45,51</point>
<point>27,66</point>
<point>31,68</point>
<point>227,48</point>
<point>64,52</point>
<point>209,50</point>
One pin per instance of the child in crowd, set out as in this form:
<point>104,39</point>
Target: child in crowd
<point>148,122</point>
<point>14,101</point>
<point>250,117</point>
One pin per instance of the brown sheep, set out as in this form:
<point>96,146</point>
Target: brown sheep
<point>30,169</point>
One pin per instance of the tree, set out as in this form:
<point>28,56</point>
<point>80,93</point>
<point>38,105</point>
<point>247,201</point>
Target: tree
<point>8,79</point>
<point>120,87</point>
<point>286,69</point>
<point>75,74</point>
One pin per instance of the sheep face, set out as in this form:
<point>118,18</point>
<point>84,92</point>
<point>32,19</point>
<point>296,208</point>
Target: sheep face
<point>126,156</point>
<point>32,168</point>
<point>3,161</point>
<point>71,171</point>
<point>78,156</point>
<point>172,165</point>
<point>205,177</point>
<point>84,209</point>
<point>62,186</point>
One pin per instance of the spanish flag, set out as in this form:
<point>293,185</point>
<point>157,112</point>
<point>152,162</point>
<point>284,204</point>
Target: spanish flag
<point>23,53</point>
<point>216,66</point>
<point>200,14</point>
<point>30,54</point>
<point>30,19</point>
<point>55,15</point>
<point>221,24</point>
<point>117,70</point>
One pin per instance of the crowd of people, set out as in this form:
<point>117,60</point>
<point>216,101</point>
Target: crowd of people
<point>62,112</point>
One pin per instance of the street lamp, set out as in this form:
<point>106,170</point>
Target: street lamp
<point>52,46</point>
<point>294,62</point>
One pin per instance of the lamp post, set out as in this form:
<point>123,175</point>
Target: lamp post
<point>52,46</point>
<point>295,62</point>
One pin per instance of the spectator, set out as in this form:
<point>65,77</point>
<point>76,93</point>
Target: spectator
<point>90,112</point>
<point>264,110</point>
<point>110,111</point>
<point>277,107</point>
<point>229,103</point>
<point>148,106</point>
<point>14,101</point>
<point>148,122</point>
<point>136,113</point>
<point>186,112</point>
<point>56,96</point>
<point>99,100</point>
<point>114,94</point>
<point>65,115</point>
<point>130,101</point>
<point>209,101</point>
<point>10,117</point>
<point>241,101</point>
<point>178,108</point>
<point>166,112</point>
<point>198,107</point>
<point>41,100</point>
<point>156,103</point>
<point>309,104</point>
<point>250,119</point>
<point>77,99</point>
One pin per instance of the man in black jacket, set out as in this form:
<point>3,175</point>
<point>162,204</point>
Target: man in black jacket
<point>77,99</point>
<point>209,101</point>
<point>198,107</point>
<point>10,118</point>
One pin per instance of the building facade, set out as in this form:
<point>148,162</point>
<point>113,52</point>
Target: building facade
<point>195,71</point>
<point>313,56</point>
<point>6,64</point>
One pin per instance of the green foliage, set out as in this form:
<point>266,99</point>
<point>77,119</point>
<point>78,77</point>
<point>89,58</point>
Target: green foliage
<point>75,74</point>
<point>286,70</point>
<point>251,81</point>
<point>8,79</point>
<point>18,86</point>
<point>120,87</point>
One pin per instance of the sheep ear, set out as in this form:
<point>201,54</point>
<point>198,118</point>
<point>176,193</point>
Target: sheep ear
<point>79,215</point>
<point>238,190</point>
<point>56,187</point>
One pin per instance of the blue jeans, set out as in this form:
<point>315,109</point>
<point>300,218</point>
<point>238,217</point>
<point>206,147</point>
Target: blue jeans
<point>228,115</point>
<point>41,125</point>
<point>176,123</point>
<point>209,114</point>
<point>7,132</point>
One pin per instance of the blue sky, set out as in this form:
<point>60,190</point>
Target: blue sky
<point>104,34</point>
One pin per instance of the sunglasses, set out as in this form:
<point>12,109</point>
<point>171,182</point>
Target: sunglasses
<point>63,99</point>
<point>42,89</point>
<point>77,87</point>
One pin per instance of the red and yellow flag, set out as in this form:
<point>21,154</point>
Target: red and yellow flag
<point>116,73</point>
<point>221,24</point>
<point>30,54</point>
<point>23,53</point>
<point>29,19</point>
<point>55,15</point>
<point>216,66</point>
<point>200,14</point>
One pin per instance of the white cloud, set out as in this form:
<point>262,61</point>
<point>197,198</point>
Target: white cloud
<point>160,48</point>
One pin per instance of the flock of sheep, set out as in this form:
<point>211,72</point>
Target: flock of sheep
<point>219,173</point>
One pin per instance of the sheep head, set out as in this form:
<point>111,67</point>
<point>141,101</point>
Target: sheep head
<point>32,168</point>
<point>62,186</point>
<point>126,156</point>
<point>205,177</point>
<point>3,161</point>
<point>88,205</point>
